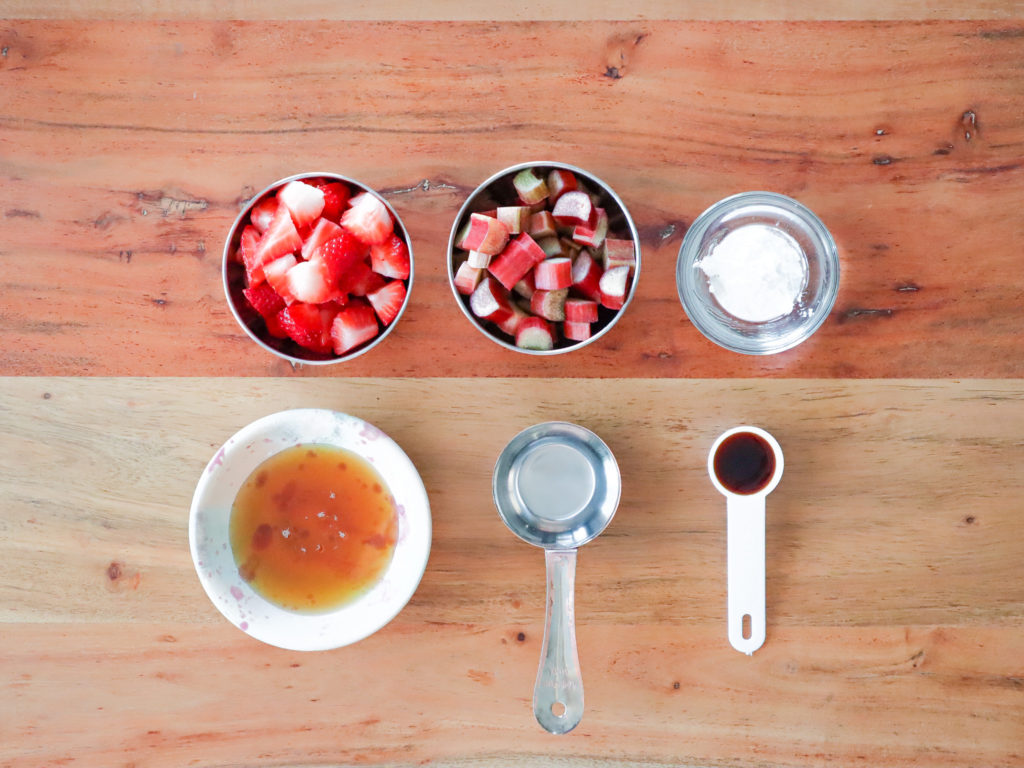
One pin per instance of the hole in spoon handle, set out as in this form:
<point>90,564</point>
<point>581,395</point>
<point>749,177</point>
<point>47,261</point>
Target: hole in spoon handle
<point>746,567</point>
<point>559,686</point>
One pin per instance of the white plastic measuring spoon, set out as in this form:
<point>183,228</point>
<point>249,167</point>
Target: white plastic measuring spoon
<point>745,465</point>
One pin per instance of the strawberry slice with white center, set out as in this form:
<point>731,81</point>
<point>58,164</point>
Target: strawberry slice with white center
<point>277,276</point>
<point>549,304</point>
<point>614,284</point>
<point>520,256</point>
<point>307,282</point>
<point>387,300</point>
<point>340,255</point>
<point>247,241</point>
<point>281,238</point>
<point>467,278</point>
<point>586,276</point>
<point>490,301</point>
<point>486,235</point>
<point>264,299</point>
<point>303,201</point>
<point>263,213</point>
<point>368,219</point>
<point>361,280</point>
<point>552,274</point>
<point>336,196</point>
<point>576,331</point>
<point>391,258</point>
<point>324,230</point>
<point>535,333</point>
<point>354,325</point>
<point>304,324</point>
<point>573,209</point>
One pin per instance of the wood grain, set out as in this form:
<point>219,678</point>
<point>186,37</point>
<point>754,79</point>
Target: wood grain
<point>895,607</point>
<point>127,148</point>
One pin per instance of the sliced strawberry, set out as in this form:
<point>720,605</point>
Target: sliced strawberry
<point>576,331</point>
<point>520,256</point>
<point>467,278</point>
<point>308,282</point>
<point>560,181</point>
<point>354,325</point>
<point>361,280</point>
<point>580,311</point>
<point>263,213</point>
<point>303,201</point>
<point>304,325</point>
<point>368,219</point>
<point>486,234</point>
<point>553,274</point>
<point>323,231</point>
<point>390,258</point>
<point>336,197</point>
<point>490,301</point>
<point>247,243</point>
<point>387,300</point>
<point>340,255</point>
<point>264,299</point>
<point>276,272</point>
<point>535,333</point>
<point>274,327</point>
<point>280,238</point>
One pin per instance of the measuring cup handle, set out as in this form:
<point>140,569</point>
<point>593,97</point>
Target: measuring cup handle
<point>558,692</point>
<point>746,572</point>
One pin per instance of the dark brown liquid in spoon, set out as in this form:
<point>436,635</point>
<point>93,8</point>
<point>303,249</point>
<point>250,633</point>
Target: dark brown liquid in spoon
<point>744,463</point>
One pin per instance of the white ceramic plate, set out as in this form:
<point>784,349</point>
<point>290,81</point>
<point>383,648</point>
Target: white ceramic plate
<point>211,548</point>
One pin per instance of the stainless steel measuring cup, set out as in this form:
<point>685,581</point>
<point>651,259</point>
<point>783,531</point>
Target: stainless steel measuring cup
<point>557,485</point>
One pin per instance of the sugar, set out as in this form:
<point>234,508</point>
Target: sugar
<point>756,272</point>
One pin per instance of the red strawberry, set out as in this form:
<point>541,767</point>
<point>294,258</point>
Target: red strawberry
<point>274,327</point>
<point>323,231</point>
<point>246,253</point>
<point>304,324</point>
<point>336,197</point>
<point>387,300</point>
<point>354,325</point>
<point>280,238</point>
<point>263,213</point>
<point>277,276</point>
<point>307,282</point>
<point>339,255</point>
<point>303,201</point>
<point>264,299</point>
<point>361,280</point>
<point>368,219</point>
<point>390,258</point>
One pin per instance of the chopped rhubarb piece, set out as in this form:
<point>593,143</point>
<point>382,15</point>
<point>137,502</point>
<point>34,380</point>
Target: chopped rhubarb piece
<point>549,304</point>
<point>580,311</point>
<point>387,300</point>
<point>467,278</point>
<point>530,188</point>
<point>560,181</point>
<point>613,286</point>
<point>280,238</point>
<point>551,246</point>
<point>323,231</point>
<point>354,325</point>
<point>305,325</point>
<point>460,238</point>
<point>303,201</point>
<point>586,276</point>
<point>336,196</point>
<point>592,235</point>
<point>391,258</point>
<point>368,219</point>
<point>618,253</point>
<point>535,333</point>
<point>553,274</point>
<point>576,331</point>
<point>573,209</point>
<point>276,272</point>
<point>263,213</point>
<point>308,282</point>
<point>526,286</point>
<point>520,256</point>
<point>264,299</point>
<point>542,224</point>
<point>569,248</point>
<point>485,234</point>
<point>479,260</point>
<point>511,324</point>
<point>490,301</point>
<point>516,218</point>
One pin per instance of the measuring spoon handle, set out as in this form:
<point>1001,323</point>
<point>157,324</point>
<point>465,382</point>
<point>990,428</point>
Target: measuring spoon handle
<point>746,572</point>
<point>558,692</point>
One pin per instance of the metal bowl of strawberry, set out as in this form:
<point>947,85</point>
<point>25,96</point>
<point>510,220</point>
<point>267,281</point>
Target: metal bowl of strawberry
<point>317,268</point>
<point>543,258</point>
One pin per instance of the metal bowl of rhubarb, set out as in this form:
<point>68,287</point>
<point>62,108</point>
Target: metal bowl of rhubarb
<point>250,321</point>
<point>758,273</point>
<point>497,191</point>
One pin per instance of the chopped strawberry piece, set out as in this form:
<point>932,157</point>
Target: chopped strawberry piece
<point>274,327</point>
<point>387,300</point>
<point>490,301</point>
<point>361,280</point>
<point>264,299</point>
<point>520,256</point>
<point>247,243</point>
<point>354,325</point>
<point>303,201</point>
<point>323,231</point>
<point>336,197</point>
<point>304,325</point>
<point>339,256</point>
<point>552,274</point>
<point>580,311</point>
<point>535,333</point>
<point>390,258</point>
<point>263,213</point>
<point>467,278</point>
<point>276,272</point>
<point>308,282</point>
<point>368,219</point>
<point>280,238</point>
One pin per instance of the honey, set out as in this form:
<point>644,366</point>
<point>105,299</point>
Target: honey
<point>313,527</point>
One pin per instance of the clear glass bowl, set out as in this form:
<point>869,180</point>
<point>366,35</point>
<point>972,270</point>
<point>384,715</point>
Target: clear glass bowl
<point>813,303</point>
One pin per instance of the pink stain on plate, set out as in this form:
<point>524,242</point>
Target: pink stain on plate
<point>244,626</point>
<point>236,593</point>
<point>370,432</point>
<point>218,460</point>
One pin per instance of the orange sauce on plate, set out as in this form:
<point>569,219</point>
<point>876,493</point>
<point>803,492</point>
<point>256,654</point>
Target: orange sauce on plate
<point>313,527</point>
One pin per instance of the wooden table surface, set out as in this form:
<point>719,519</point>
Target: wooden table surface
<point>130,134</point>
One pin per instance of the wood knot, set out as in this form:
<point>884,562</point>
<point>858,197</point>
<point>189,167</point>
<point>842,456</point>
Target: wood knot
<point>114,571</point>
<point>619,53</point>
<point>969,124</point>
<point>521,637</point>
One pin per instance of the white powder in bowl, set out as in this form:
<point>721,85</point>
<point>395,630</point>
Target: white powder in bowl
<point>756,272</point>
